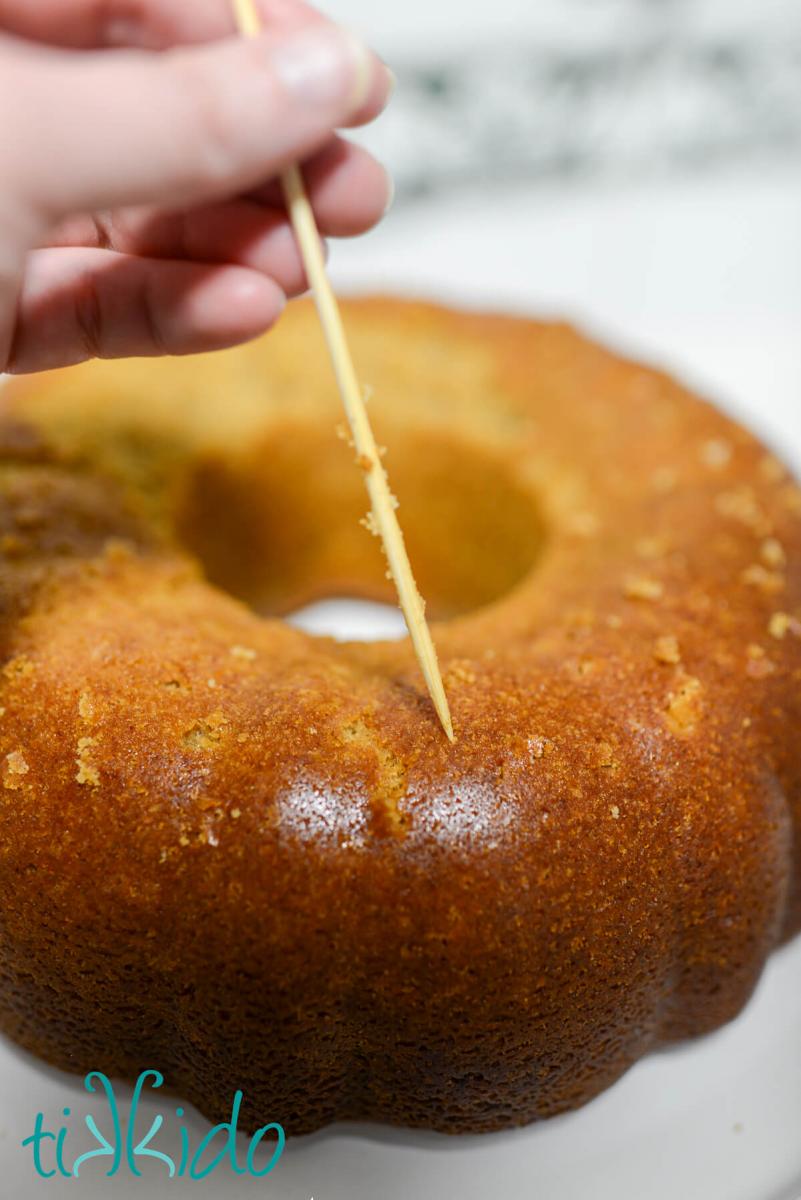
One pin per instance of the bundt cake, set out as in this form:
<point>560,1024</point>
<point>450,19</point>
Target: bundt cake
<point>250,858</point>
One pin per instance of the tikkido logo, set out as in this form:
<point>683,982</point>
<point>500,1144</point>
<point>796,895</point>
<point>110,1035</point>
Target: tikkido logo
<point>126,1149</point>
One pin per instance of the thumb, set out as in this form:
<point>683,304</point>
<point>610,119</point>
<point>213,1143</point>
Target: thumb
<point>88,131</point>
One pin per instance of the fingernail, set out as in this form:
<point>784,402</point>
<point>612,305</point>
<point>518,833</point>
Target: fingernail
<point>324,67</point>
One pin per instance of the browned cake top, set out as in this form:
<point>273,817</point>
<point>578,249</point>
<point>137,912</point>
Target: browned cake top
<point>614,574</point>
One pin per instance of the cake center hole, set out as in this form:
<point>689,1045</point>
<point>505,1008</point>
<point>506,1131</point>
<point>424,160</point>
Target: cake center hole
<point>281,527</point>
<point>351,620</point>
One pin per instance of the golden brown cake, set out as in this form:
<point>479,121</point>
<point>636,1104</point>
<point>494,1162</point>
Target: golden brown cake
<point>250,858</point>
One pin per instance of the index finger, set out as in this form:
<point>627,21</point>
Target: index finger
<point>145,24</point>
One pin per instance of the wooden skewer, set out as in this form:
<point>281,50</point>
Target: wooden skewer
<point>381,498</point>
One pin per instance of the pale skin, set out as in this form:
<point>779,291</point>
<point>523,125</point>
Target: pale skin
<point>142,140</point>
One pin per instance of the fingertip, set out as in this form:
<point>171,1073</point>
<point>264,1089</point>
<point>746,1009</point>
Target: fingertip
<point>350,190</point>
<point>230,305</point>
<point>83,303</point>
<point>251,292</point>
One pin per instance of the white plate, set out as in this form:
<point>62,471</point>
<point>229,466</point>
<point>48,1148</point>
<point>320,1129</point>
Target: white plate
<point>718,1119</point>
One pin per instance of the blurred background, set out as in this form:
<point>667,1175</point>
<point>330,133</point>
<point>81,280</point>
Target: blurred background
<point>633,165</point>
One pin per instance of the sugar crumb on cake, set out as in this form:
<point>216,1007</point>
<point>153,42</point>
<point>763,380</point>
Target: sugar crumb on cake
<point>716,453</point>
<point>758,664</point>
<point>206,732</point>
<point>667,649</point>
<point>741,504</point>
<point>539,746</point>
<point>243,652</point>
<point>643,587</point>
<point>773,553</point>
<point>685,705</point>
<point>15,766</point>
<point>760,577</point>
<point>781,623</point>
<point>605,755</point>
<point>87,772</point>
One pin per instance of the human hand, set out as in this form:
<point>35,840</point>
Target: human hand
<point>141,212</point>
